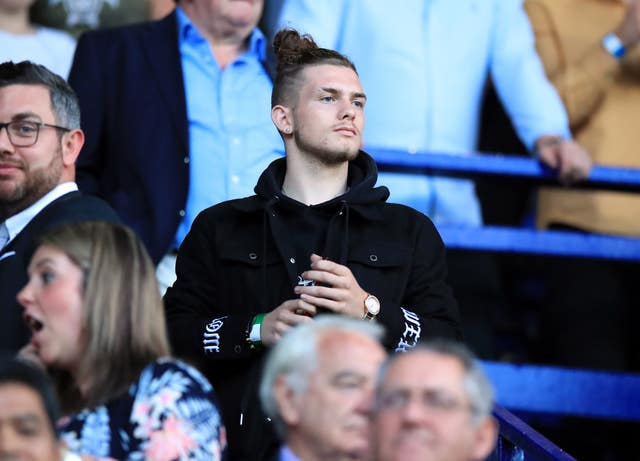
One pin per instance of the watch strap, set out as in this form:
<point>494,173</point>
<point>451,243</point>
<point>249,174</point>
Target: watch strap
<point>368,316</point>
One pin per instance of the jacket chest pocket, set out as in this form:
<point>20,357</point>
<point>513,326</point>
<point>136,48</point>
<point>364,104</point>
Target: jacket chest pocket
<point>247,256</point>
<point>251,276</point>
<point>382,269</point>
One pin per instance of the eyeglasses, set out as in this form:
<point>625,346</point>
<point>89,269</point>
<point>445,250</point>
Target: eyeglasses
<point>23,133</point>
<point>431,400</point>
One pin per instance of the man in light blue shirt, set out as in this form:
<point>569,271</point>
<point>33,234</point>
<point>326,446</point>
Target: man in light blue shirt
<point>176,116</point>
<point>231,142</point>
<point>425,64</point>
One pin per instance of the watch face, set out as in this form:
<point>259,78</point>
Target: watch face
<point>373,305</point>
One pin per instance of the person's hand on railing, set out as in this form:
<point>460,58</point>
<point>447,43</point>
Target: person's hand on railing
<point>567,156</point>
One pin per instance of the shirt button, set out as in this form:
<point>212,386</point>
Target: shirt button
<point>235,179</point>
<point>182,213</point>
<point>292,260</point>
<point>235,141</point>
<point>185,160</point>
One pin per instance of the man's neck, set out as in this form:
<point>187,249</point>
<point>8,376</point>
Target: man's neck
<point>226,46</point>
<point>9,210</point>
<point>227,52</point>
<point>313,183</point>
<point>16,22</point>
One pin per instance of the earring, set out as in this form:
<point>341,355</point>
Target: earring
<point>287,130</point>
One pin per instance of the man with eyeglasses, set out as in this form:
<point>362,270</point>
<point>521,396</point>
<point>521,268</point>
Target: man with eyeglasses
<point>433,403</point>
<point>40,138</point>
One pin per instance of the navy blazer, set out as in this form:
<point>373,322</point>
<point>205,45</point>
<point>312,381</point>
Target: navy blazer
<point>130,85</point>
<point>15,257</point>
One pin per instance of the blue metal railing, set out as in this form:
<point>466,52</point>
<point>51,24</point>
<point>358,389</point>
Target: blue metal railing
<point>518,240</point>
<point>566,391</point>
<point>503,166</point>
<point>526,387</point>
<point>547,242</point>
<point>519,442</point>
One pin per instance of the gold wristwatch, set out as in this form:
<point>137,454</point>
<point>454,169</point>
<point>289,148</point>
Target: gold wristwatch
<point>371,307</point>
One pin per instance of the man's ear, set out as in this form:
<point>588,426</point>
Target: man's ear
<point>72,143</point>
<point>288,401</point>
<point>485,438</point>
<point>282,119</point>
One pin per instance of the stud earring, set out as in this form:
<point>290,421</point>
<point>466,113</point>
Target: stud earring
<point>287,130</point>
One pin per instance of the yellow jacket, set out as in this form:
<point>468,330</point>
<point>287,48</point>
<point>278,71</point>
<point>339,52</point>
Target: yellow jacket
<point>602,98</point>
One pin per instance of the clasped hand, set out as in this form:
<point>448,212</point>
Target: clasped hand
<point>335,289</point>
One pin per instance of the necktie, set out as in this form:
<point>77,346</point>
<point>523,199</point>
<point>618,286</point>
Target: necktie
<point>4,235</point>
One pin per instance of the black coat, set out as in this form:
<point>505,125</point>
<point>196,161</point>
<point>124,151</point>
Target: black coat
<point>239,260</point>
<point>130,85</point>
<point>15,257</point>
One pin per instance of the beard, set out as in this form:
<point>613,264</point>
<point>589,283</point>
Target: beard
<point>18,194</point>
<point>324,153</point>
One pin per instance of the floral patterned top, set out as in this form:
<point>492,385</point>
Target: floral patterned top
<point>170,413</point>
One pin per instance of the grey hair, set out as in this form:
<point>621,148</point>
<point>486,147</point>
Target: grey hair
<point>296,356</point>
<point>475,382</point>
<point>64,102</point>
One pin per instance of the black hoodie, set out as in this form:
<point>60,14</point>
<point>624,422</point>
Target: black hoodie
<point>243,257</point>
<point>324,228</point>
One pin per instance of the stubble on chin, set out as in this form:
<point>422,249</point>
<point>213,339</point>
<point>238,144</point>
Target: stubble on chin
<point>31,186</point>
<point>324,154</point>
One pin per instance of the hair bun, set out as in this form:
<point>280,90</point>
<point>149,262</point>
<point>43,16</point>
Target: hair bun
<point>290,47</point>
<point>294,52</point>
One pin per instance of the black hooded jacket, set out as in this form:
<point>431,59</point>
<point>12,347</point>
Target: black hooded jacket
<point>244,257</point>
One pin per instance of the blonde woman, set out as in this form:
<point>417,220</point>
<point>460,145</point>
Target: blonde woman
<point>94,309</point>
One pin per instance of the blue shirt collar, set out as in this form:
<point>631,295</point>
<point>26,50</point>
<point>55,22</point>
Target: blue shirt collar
<point>287,455</point>
<point>188,33</point>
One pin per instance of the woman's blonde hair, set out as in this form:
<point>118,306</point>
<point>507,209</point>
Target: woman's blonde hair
<point>123,319</point>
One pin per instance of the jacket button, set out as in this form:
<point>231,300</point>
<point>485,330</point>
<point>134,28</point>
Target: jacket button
<point>185,160</point>
<point>237,349</point>
<point>373,258</point>
<point>253,256</point>
<point>182,213</point>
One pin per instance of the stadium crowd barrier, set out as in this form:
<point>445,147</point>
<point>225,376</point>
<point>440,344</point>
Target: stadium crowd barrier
<point>509,168</point>
<point>530,388</point>
<point>519,442</point>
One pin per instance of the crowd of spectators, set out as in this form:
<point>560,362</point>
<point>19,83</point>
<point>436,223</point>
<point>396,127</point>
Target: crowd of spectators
<point>182,155</point>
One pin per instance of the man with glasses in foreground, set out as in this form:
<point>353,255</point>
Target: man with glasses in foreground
<point>433,403</point>
<point>40,139</point>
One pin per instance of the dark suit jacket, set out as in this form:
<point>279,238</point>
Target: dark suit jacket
<point>14,258</point>
<point>130,85</point>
